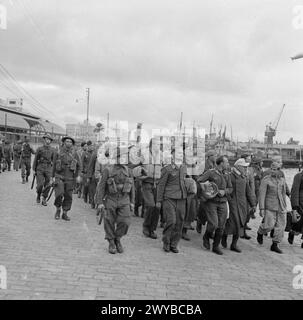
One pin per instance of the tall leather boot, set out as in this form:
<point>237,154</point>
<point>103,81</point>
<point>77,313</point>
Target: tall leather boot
<point>224,241</point>
<point>185,235</point>
<point>245,236</point>
<point>65,217</point>
<point>274,247</point>
<point>233,246</point>
<point>206,238</point>
<point>216,243</point>
<point>291,237</point>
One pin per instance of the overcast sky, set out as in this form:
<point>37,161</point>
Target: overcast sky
<point>149,60</point>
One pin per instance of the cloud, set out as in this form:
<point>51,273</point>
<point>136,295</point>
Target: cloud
<point>148,61</point>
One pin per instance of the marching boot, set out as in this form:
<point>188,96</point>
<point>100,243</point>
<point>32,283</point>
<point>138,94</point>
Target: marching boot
<point>166,247</point>
<point>272,232</point>
<point>199,226</point>
<point>245,236</point>
<point>260,238</point>
<point>291,237</point>
<point>38,198</point>
<point>65,217</point>
<point>57,214</point>
<point>23,180</point>
<point>146,232</point>
<point>224,241</point>
<point>44,203</point>
<point>112,247</point>
<point>206,238</point>
<point>174,249</point>
<point>26,178</point>
<point>234,246</point>
<point>119,246</point>
<point>274,247</point>
<point>153,235</point>
<point>185,235</point>
<point>217,240</point>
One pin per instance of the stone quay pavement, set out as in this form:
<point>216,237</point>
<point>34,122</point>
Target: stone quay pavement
<point>49,259</point>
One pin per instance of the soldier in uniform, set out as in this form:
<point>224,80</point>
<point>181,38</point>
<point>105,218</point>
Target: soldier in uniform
<point>171,193</point>
<point>149,174</point>
<point>116,194</point>
<point>25,159</point>
<point>65,171</point>
<point>7,154</point>
<point>216,208</point>
<point>79,185</point>
<point>85,160</point>
<point>42,167</point>
<point>17,149</point>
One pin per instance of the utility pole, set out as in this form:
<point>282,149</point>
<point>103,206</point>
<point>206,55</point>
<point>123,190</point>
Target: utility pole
<point>87,112</point>
<point>107,129</point>
<point>5,124</point>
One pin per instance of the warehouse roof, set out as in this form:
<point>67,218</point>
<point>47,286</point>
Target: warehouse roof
<point>22,120</point>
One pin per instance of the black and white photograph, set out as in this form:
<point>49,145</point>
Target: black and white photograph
<point>151,151</point>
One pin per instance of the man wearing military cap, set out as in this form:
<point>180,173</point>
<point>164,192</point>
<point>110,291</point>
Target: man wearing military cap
<point>116,194</point>
<point>216,208</point>
<point>42,166</point>
<point>210,162</point>
<point>65,171</point>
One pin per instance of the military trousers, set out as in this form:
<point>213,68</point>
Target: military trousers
<point>216,215</point>
<point>64,194</point>
<point>117,218</point>
<point>151,213</point>
<point>273,220</point>
<point>43,182</point>
<point>174,213</point>
<point>25,168</point>
<point>16,163</point>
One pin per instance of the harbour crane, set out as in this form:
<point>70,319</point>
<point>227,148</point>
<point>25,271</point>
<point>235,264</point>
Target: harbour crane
<point>271,129</point>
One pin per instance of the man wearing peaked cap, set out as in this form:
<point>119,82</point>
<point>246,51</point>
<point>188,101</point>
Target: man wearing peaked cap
<point>241,162</point>
<point>42,167</point>
<point>211,156</point>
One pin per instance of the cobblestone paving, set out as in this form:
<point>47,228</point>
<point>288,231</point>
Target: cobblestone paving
<point>49,259</point>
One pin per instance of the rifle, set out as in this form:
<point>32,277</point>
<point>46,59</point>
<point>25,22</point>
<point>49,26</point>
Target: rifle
<point>33,182</point>
<point>100,215</point>
<point>51,193</point>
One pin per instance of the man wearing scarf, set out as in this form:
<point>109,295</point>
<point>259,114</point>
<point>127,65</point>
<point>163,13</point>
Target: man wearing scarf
<point>273,209</point>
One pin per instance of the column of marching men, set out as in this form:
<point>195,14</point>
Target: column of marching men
<point>221,200</point>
